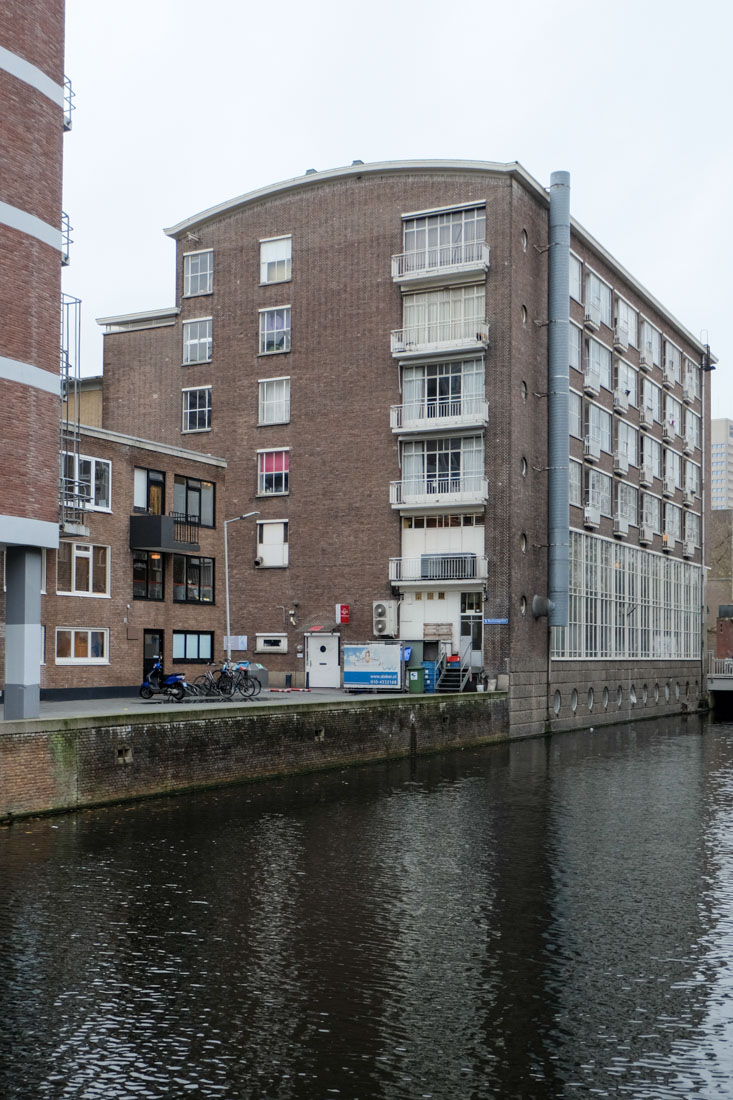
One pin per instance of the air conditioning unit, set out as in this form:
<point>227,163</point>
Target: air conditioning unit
<point>668,486</point>
<point>592,318</point>
<point>620,336</point>
<point>591,379</point>
<point>688,497</point>
<point>687,444</point>
<point>620,400</point>
<point>620,461</point>
<point>646,534</point>
<point>646,475</point>
<point>592,516</point>
<point>688,548</point>
<point>384,618</point>
<point>620,525</point>
<point>592,449</point>
<point>646,358</point>
<point>646,417</point>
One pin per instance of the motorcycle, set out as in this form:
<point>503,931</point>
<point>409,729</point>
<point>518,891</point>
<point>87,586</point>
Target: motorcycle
<point>157,683</point>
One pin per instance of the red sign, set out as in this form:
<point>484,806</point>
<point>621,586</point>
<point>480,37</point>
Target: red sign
<point>343,612</point>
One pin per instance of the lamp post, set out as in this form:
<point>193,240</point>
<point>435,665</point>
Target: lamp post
<point>226,572</point>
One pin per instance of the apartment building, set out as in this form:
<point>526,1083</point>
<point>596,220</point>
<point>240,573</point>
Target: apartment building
<point>721,463</point>
<point>374,351</point>
<point>36,111</point>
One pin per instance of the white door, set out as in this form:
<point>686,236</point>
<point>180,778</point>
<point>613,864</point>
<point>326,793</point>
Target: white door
<point>322,660</point>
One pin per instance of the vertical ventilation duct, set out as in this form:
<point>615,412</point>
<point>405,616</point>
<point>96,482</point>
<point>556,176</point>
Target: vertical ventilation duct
<point>559,380</point>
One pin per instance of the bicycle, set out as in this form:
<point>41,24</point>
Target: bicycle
<point>209,684</point>
<point>248,686</point>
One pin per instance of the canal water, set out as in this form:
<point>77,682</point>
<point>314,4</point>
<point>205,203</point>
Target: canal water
<point>551,918</point>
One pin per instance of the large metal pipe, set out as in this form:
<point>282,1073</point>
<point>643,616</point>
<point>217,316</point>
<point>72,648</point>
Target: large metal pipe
<point>559,381</point>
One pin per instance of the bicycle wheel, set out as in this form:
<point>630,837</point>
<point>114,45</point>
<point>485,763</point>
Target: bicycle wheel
<point>245,686</point>
<point>203,685</point>
<point>257,686</point>
<point>225,685</point>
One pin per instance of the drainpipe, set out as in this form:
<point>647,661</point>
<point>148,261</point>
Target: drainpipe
<point>559,381</point>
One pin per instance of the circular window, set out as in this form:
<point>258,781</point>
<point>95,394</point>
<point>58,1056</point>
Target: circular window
<point>589,699</point>
<point>604,698</point>
<point>656,693</point>
<point>644,695</point>
<point>524,239</point>
<point>524,467</point>
<point>523,543</point>
<point>632,695</point>
<point>574,701</point>
<point>523,605</point>
<point>677,690</point>
<point>619,695</point>
<point>687,690</point>
<point>556,702</point>
<point>524,315</point>
<point>524,391</point>
<point>323,649</point>
<point>666,692</point>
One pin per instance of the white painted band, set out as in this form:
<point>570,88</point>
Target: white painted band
<point>22,653</point>
<point>30,224</point>
<point>31,74</point>
<point>22,531</point>
<point>28,375</point>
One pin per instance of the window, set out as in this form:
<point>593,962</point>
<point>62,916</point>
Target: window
<point>692,477</point>
<point>575,471</point>
<point>439,240</point>
<point>276,260</point>
<point>197,340</point>
<point>626,380</point>
<point>272,544</point>
<point>692,428</point>
<point>598,425</point>
<point>598,491</point>
<point>197,410</point>
<point>651,342</point>
<point>673,521</point>
<point>575,417</point>
<point>274,330</point>
<point>692,378</point>
<point>672,361</point>
<point>673,414</point>
<point>198,273</point>
<point>88,479</point>
<point>273,468</point>
<point>149,491</point>
<point>598,361</point>
<point>652,399</point>
<point>147,575</point>
<point>626,501</point>
<point>652,454</point>
<point>82,646</point>
<point>576,278</point>
<point>673,466</point>
<point>651,511</point>
<point>626,319</point>
<point>193,646</point>
<point>82,569</point>
<point>442,316</point>
<point>194,499</point>
<point>443,389</point>
<point>451,465</point>
<point>575,344</point>
<point>274,403</point>
<point>271,643</point>
<point>598,294</point>
<point>193,579</point>
<point>692,528</point>
<point>626,441</point>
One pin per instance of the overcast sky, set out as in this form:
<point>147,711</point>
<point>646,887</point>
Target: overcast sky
<point>182,105</point>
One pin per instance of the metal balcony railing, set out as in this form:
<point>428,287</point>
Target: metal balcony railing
<point>425,261</point>
<point>438,335</point>
<point>472,489</point>
<point>439,567</point>
<point>69,96</point>
<point>66,240</point>
<point>440,412</point>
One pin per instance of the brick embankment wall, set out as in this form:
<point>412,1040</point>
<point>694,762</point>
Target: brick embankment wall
<point>85,762</point>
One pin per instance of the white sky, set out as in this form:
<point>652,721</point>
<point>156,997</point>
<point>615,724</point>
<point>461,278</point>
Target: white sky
<point>182,105</point>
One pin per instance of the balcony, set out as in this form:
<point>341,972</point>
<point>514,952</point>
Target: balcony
<point>646,475</point>
<point>592,319</point>
<point>621,400</point>
<point>445,568</point>
<point>621,336</point>
<point>592,448</point>
<point>172,533</point>
<point>591,379</point>
<point>668,485</point>
<point>669,373</point>
<point>441,265</point>
<point>73,505</point>
<point>688,391</point>
<point>69,107</point>
<point>646,358</point>
<point>646,534</point>
<point>646,417</point>
<point>436,492</point>
<point>433,337</point>
<point>669,542</point>
<point>669,430</point>
<point>420,416</point>
<point>592,516</point>
<point>620,526</point>
<point>688,444</point>
<point>66,241</point>
<point>688,498</point>
<point>688,548</point>
<point>621,460</point>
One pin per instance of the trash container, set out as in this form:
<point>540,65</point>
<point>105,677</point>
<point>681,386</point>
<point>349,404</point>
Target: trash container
<point>416,681</point>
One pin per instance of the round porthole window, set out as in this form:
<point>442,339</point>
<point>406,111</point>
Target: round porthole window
<point>524,391</point>
<point>632,695</point>
<point>574,700</point>
<point>524,315</point>
<point>656,693</point>
<point>556,702</point>
<point>677,691</point>
<point>323,649</point>
<point>524,239</point>
<point>604,698</point>
<point>666,692</point>
<point>589,699</point>
<point>523,543</point>
<point>524,467</point>
<point>523,605</point>
<point>619,695</point>
<point>645,695</point>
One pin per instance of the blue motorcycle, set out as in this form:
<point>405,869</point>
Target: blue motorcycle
<point>156,683</point>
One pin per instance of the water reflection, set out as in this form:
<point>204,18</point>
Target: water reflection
<point>547,919</point>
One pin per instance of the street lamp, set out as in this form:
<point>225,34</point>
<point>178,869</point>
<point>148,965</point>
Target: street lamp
<point>226,572</point>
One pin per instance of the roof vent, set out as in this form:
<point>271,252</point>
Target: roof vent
<point>310,171</point>
<point>357,162</point>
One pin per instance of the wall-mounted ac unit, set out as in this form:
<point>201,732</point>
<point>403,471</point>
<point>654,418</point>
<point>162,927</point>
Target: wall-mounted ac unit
<point>384,618</point>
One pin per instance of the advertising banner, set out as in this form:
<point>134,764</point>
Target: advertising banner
<point>376,665</point>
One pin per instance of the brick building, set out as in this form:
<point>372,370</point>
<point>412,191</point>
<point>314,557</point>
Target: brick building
<point>462,419</point>
<point>36,111</point>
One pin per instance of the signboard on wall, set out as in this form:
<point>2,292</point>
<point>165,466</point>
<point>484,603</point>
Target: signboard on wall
<point>376,665</point>
<point>343,613</point>
<point>236,641</point>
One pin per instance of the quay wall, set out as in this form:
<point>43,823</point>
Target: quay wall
<point>50,766</point>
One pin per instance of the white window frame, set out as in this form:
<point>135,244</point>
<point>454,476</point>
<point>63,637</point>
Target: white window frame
<point>627,380</point>
<point>90,501</point>
<point>575,414</point>
<point>273,410</point>
<point>266,336</point>
<point>193,345</point>
<point>575,483</point>
<point>283,264</point>
<point>74,631</point>
<point>187,412</point>
<point>273,554</point>
<point>597,289</point>
<point>576,277</point>
<point>85,551</point>
<point>200,281</point>
<point>628,317</point>
<point>262,474</point>
<point>271,643</point>
<point>651,337</point>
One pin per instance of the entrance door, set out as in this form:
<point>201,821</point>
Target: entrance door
<point>322,660</point>
<point>472,626</point>
<point>152,647</point>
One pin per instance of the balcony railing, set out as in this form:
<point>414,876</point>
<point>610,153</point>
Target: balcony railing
<point>176,531</point>
<point>428,491</point>
<point>69,96</point>
<point>74,501</point>
<point>66,240</point>
<point>438,567</point>
<point>439,413</point>
<point>470,334</point>
<point>442,259</point>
